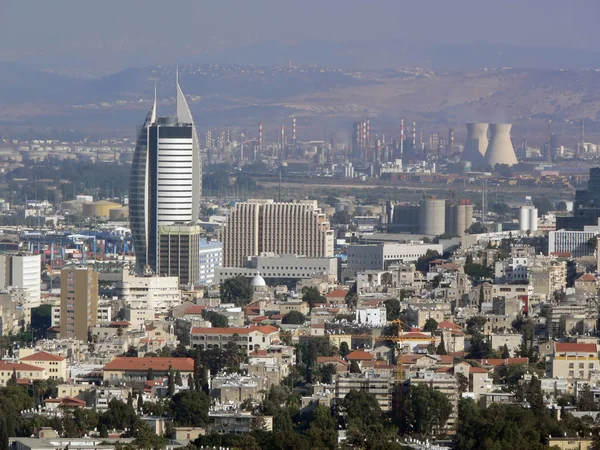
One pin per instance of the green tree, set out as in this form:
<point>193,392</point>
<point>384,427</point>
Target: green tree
<point>328,371</point>
<point>178,379</point>
<point>13,379</point>
<point>505,352</point>
<point>216,320</point>
<point>543,205</point>
<point>431,325</point>
<point>426,411</point>
<point>3,432</point>
<point>150,374</point>
<point>392,309</point>
<point>422,263</point>
<point>344,349</point>
<point>341,218</point>
<point>190,408</point>
<point>322,429</point>
<point>463,383</point>
<point>236,290</point>
<point>294,318</point>
<point>354,367</point>
<point>171,382</point>
<point>285,337</point>
<point>312,296</point>
<point>351,299</point>
<point>585,400</point>
<point>140,401</point>
<point>561,206</point>
<point>441,348</point>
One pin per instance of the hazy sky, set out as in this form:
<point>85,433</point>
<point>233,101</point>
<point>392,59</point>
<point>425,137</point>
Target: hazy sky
<point>121,33</point>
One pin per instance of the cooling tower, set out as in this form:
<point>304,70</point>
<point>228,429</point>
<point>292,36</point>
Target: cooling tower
<point>500,149</point>
<point>476,143</point>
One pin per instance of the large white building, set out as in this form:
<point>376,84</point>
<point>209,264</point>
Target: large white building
<point>574,242</point>
<point>158,294</point>
<point>259,226</point>
<point>211,258</point>
<point>271,266</point>
<point>380,256</point>
<point>21,273</point>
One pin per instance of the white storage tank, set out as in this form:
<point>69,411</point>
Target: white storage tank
<point>533,219</point>
<point>524,218</point>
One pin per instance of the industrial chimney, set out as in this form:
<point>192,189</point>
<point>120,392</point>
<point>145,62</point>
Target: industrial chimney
<point>500,149</point>
<point>476,143</point>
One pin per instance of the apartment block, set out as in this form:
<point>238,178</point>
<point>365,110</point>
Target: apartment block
<point>572,360</point>
<point>251,338</point>
<point>255,227</point>
<point>179,252</point>
<point>78,302</point>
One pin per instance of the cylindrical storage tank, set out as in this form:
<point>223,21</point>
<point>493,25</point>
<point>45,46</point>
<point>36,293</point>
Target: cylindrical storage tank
<point>500,149</point>
<point>533,219</point>
<point>468,218</point>
<point>524,218</point>
<point>460,224</point>
<point>476,143</point>
<point>432,216</point>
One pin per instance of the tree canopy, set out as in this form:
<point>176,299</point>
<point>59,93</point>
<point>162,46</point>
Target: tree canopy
<point>236,290</point>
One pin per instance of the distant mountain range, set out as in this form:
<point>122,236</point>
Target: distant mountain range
<point>320,96</point>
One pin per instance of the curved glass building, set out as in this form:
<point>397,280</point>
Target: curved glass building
<point>166,179</point>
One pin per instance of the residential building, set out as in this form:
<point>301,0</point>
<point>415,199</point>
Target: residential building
<point>255,227</point>
<point>250,338</point>
<point>136,369</point>
<point>179,252</point>
<point>23,372</point>
<point>211,258</point>
<point>374,316</point>
<point>233,389</point>
<point>573,315</point>
<point>55,366</point>
<point>572,360</point>
<point>78,302</point>
<point>379,386</point>
<point>149,292</point>
<point>441,382</point>
<point>22,272</point>
<point>237,422</point>
<point>166,179</point>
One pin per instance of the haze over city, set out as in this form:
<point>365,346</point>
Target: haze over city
<point>299,225</point>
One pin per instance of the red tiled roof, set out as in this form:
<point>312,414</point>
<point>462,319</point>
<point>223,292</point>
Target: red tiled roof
<point>120,324</point>
<point>195,309</point>
<point>8,366</point>
<point>43,356</point>
<point>330,359</point>
<point>359,355</point>
<point>448,325</point>
<point>277,317</point>
<point>504,362</point>
<point>265,329</point>
<point>337,293</point>
<point>477,370</point>
<point>413,335</point>
<point>257,353</point>
<point>158,364</point>
<point>446,359</point>
<point>259,318</point>
<point>587,278</point>
<point>373,302</point>
<point>575,347</point>
<point>67,401</point>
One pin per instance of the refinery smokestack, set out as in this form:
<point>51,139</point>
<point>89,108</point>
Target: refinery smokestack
<point>260,135</point>
<point>293,129</point>
<point>401,137</point>
<point>500,149</point>
<point>476,143</point>
<point>282,136</point>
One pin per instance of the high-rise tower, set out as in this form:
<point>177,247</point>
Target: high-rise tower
<point>166,178</point>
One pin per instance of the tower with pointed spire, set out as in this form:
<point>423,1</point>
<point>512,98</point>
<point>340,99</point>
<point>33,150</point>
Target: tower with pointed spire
<point>166,178</point>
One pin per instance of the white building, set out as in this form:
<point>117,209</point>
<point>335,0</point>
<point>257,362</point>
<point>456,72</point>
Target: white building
<point>158,294</point>
<point>211,258</point>
<point>269,265</point>
<point>375,317</point>
<point>380,256</point>
<point>22,272</point>
<point>574,242</point>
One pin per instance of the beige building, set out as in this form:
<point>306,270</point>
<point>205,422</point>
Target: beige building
<point>23,372</point>
<point>136,369</point>
<point>179,252</point>
<point>444,383</point>
<point>78,302</point>
<point>256,227</point>
<point>379,386</point>
<point>251,338</point>
<point>572,360</point>
<point>54,365</point>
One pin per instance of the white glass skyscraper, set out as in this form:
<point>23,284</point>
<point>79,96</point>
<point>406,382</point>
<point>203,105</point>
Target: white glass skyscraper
<point>166,179</point>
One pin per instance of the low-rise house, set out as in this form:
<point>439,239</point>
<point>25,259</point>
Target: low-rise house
<point>54,365</point>
<point>26,372</point>
<point>249,338</point>
<point>136,369</point>
<point>234,422</point>
<point>572,360</point>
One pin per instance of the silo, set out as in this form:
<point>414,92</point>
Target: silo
<point>533,219</point>
<point>524,218</point>
<point>476,143</point>
<point>500,149</point>
<point>468,219</point>
<point>432,216</point>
